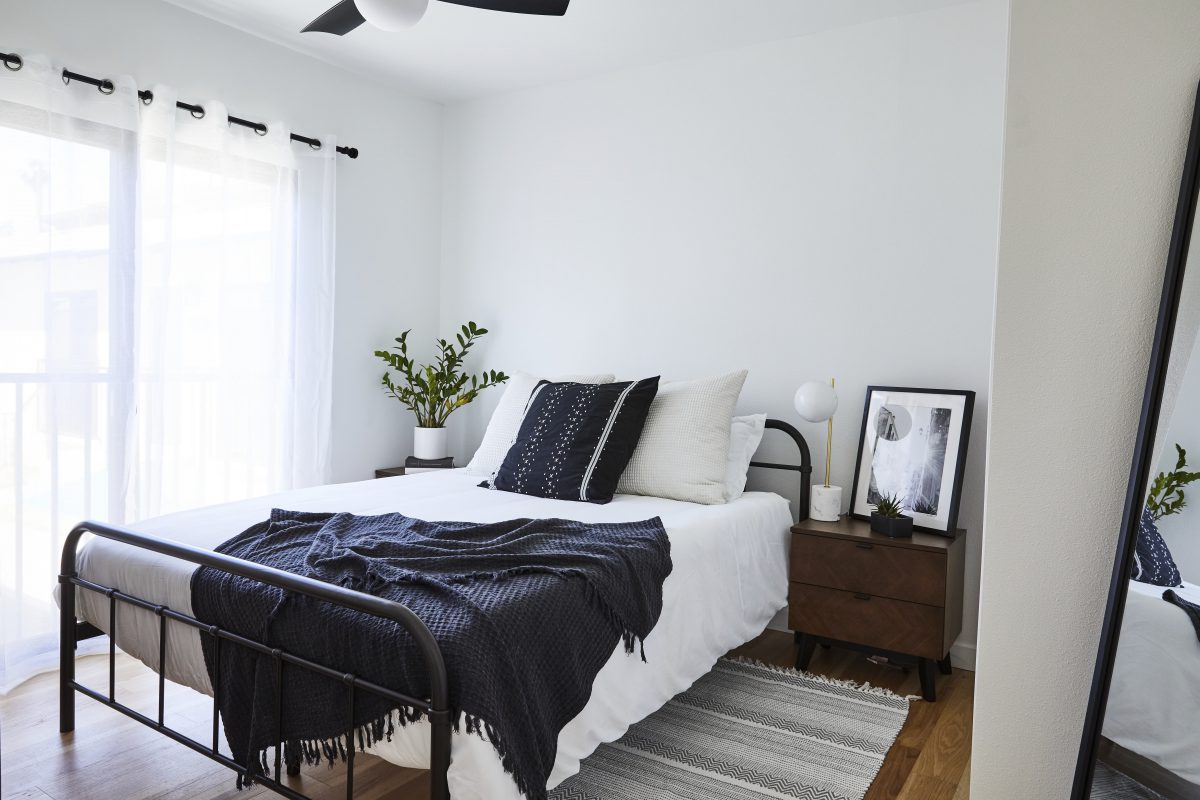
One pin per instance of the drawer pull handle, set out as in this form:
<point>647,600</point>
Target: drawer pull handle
<point>861,596</point>
<point>865,546</point>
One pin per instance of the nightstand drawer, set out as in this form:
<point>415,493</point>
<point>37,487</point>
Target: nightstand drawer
<point>917,576</point>
<point>880,622</point>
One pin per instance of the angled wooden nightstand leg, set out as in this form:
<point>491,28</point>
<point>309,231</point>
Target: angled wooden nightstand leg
<point>804,651</point>
<point>928,680</point>
<point>944,665</point>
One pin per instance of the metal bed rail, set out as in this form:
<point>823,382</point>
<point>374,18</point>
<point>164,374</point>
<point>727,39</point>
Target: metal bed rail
<point>437,707</point>
<point>804,468</point>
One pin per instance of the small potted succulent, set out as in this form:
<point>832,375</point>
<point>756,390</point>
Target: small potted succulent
<point>888,518</point>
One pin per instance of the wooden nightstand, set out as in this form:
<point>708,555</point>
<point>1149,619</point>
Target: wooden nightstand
<point>390,472</point>
<point>901,598</point>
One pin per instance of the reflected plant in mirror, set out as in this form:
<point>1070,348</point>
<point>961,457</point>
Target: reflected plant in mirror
<point>1166,493</point>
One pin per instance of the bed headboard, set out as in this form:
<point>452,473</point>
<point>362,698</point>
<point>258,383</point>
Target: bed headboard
<point>804,468</point>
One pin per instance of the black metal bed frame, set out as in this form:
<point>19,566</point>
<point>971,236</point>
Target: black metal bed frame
<point>805,467</point>
<point>436,707</point>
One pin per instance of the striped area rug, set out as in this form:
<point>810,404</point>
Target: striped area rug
<point>1108,784</point>
<point>747,731</point>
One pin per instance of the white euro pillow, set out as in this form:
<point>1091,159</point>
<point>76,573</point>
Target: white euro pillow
<point>505,423</point>
<point>745,435</point>
<point>684,447</point>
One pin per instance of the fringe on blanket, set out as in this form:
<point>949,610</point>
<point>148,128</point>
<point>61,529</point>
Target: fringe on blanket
<point>313,751</point>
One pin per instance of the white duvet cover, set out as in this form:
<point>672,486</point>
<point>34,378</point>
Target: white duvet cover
<point>729,578</point>
<point>1154,703</point>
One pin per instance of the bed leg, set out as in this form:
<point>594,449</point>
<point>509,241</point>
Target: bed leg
<point>439,758</point>
<point>66,656</point>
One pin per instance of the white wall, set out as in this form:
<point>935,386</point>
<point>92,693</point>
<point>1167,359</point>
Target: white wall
<point>388,212</point>
<point>1099,101</point>
<point>816,207</point>
<point>1182,531</point>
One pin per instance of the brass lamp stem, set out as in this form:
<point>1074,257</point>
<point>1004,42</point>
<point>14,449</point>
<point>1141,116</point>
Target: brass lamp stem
<point>829,440</point>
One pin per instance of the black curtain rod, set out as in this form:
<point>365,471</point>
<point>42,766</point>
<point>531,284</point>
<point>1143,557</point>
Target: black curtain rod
<point>14,62</point>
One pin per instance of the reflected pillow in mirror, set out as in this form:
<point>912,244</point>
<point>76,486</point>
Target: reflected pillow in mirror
<point>1152,562</point>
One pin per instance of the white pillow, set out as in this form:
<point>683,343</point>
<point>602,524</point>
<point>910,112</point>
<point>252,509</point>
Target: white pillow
<point>685,444</point>
<point>745,434</point>
<point>505,423</point>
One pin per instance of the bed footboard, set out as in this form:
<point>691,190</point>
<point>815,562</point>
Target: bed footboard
<point>436,707</point>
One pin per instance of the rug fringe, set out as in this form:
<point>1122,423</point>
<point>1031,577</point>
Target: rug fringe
<point>862,687</point>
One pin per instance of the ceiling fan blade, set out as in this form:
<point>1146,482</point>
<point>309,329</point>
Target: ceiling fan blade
<point>552,8</point>
<point>339,20</point>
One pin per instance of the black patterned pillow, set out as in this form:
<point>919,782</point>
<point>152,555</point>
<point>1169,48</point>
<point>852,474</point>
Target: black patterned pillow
<point>1152,562</point>
<point>576,439</point>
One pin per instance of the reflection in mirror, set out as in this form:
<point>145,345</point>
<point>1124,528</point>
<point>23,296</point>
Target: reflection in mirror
<point>1143,738</point>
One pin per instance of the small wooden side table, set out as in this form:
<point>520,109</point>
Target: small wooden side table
<point>901,598</point>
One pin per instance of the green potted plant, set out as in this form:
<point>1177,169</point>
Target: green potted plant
<point>1166,493</point>
<point>435,391</point>
<point>888,518</point>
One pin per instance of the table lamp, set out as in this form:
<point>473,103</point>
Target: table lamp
<point>817,402</point>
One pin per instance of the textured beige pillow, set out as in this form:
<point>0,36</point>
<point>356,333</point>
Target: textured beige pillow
<point>505,423</point>
<point>684,448</point>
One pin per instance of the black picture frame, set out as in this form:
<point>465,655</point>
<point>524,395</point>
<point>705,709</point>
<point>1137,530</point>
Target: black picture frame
<point>1143,455</point>
<point>937,524</point>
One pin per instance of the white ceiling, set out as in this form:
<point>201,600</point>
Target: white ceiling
<point>457,53</point>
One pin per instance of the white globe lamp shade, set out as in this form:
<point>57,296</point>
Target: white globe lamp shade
<point>392,15</point>
<point>816,401</point>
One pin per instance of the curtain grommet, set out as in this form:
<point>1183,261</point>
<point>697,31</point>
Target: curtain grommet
<point>66,78</point>
<point>106,87</point>
<point>315,145</point>
<point>13,62</point>
<point>147,97</point>
<point>261,129</point>
<point>197,112</point>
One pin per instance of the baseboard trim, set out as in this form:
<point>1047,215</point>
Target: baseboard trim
<point>962,655</point>
<point>780,621</point>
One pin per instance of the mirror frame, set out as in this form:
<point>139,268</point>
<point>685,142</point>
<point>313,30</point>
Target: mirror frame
<point>1139,475</point>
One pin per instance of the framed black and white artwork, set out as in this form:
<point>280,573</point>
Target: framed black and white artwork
<point>913,446</point>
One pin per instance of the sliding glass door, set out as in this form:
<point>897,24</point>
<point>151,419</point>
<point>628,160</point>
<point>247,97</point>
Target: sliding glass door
<point>65,316</point>
<point>166,292</point>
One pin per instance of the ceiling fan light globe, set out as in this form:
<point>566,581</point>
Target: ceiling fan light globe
<point>392,15</point>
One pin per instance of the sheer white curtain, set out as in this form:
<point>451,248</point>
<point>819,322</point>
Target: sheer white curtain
<point>166,300</point>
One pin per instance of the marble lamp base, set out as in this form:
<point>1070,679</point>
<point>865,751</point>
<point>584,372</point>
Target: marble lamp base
<point>825,504</point>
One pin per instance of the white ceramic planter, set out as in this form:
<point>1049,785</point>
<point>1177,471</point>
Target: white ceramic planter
<point>825,503</point>
<point>429,443</point>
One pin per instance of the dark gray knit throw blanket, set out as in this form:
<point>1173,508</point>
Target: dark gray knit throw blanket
<point>1191,609</point>
<point>526,613</point>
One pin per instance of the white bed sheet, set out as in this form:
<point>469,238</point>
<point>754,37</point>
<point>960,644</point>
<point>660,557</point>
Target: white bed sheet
<point>1154,702</point>
<point>729,579</point>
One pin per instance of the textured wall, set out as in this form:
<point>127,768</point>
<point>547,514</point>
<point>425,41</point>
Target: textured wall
<point>1099,102</point>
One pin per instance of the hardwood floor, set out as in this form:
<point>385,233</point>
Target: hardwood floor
<point>111,756</point>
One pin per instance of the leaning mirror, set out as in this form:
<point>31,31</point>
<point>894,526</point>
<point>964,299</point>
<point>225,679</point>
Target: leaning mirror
<point>1142,731</point>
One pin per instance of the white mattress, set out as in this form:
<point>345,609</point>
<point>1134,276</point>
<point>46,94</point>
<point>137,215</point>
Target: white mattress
<point>729,579</point>
<point>1154,703</point>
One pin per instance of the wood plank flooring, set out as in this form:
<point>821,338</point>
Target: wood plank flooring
<point>111,756</point>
